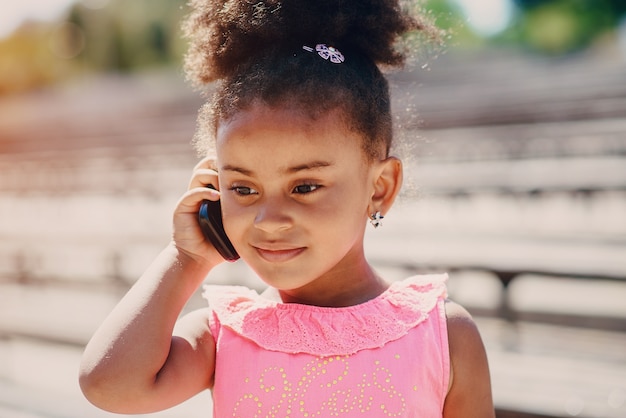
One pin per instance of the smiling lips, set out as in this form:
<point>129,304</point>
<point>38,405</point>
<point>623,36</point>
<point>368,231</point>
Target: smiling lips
<point>279,255</point>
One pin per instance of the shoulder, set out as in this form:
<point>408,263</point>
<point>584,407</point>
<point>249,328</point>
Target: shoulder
<point>194,327</point>
<point>194,343</point>
<point>464,337</point>
<point>460,322</point>
<point>464,340</point>
<point>470,386</point>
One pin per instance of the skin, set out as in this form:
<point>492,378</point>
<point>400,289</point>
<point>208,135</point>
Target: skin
<point>287,183</point>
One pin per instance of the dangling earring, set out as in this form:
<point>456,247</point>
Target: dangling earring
<point>376,219</point>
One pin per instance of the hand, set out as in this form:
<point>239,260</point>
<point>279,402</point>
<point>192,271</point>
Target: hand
<point>187,236</point>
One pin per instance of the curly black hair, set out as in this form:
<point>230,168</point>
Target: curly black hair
<point>254,50</point>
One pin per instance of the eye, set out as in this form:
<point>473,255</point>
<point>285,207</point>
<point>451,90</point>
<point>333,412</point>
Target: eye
<point>243,191</point>
<point>306,188</point>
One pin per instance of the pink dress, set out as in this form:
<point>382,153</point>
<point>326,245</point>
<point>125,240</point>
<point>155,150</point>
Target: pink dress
<point>387,357</point>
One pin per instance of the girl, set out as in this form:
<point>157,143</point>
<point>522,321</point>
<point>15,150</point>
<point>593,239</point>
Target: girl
<point>301,126</point>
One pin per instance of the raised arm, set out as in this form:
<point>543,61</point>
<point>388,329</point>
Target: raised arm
<point>141,359</point>
<point>469,395</point>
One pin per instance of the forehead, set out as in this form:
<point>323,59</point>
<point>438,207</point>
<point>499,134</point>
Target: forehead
<point>262,134</point>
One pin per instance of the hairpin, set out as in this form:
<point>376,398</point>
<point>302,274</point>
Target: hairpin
<point>327,52</point>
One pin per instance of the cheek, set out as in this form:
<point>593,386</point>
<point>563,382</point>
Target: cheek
<point>234,217</point>
<point>346,208</point>
<point>352,196</point>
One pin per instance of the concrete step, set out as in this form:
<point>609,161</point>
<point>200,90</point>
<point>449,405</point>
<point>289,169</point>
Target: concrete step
<point>537,370</point>
<point>556,371</point>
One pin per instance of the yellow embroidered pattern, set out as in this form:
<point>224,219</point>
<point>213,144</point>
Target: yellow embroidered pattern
<point>276,394</point>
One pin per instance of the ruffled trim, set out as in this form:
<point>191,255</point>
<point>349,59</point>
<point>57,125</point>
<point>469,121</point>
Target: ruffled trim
<point>296,328</point>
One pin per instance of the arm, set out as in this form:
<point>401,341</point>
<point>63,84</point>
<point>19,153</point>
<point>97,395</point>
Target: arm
<point>469,395</point>
<point>141,359</point>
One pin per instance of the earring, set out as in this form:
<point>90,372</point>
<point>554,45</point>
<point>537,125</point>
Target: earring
<point>376,219</point>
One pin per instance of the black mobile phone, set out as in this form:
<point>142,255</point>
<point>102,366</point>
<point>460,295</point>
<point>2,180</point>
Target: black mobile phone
<point>210,219</point>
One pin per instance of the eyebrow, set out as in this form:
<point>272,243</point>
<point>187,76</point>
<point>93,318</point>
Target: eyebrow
<point>236,169</point>
<point>308,166</point>
<point>314,165</point>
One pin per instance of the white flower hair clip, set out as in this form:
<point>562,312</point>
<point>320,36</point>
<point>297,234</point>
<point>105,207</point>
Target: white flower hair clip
<point>327,52</point>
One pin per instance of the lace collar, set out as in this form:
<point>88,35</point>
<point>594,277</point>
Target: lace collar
<point>296,328</point>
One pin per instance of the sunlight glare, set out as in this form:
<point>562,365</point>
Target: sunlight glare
<point>14,13</point>
<point>487,17</point>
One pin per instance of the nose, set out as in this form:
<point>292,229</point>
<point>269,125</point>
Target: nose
<point>272,217</point>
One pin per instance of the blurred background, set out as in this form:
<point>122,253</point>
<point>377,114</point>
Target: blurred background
<point>514,141</point>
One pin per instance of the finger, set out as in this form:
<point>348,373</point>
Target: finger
<point>207,162</point>
<point>190,201</point>
<point>202,177</point>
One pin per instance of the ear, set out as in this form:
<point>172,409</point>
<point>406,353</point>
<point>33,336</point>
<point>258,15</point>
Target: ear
<point>387,184</point>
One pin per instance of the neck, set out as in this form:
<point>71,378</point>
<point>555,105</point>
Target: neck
<point>338,290</point>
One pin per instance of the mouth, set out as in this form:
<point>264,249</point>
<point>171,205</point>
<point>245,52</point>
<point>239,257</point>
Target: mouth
<point>279,255</point>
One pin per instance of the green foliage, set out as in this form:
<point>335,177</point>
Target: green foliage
<point>132,35</point>
<point>447,16</point>
<point>123,36</point>
<point>562,26</point>
<point>27,59</point>
<point>127,36</point>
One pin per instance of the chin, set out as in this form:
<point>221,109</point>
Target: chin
<point>282,278</point>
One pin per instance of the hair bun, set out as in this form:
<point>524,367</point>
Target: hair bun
<point>225,34</point>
